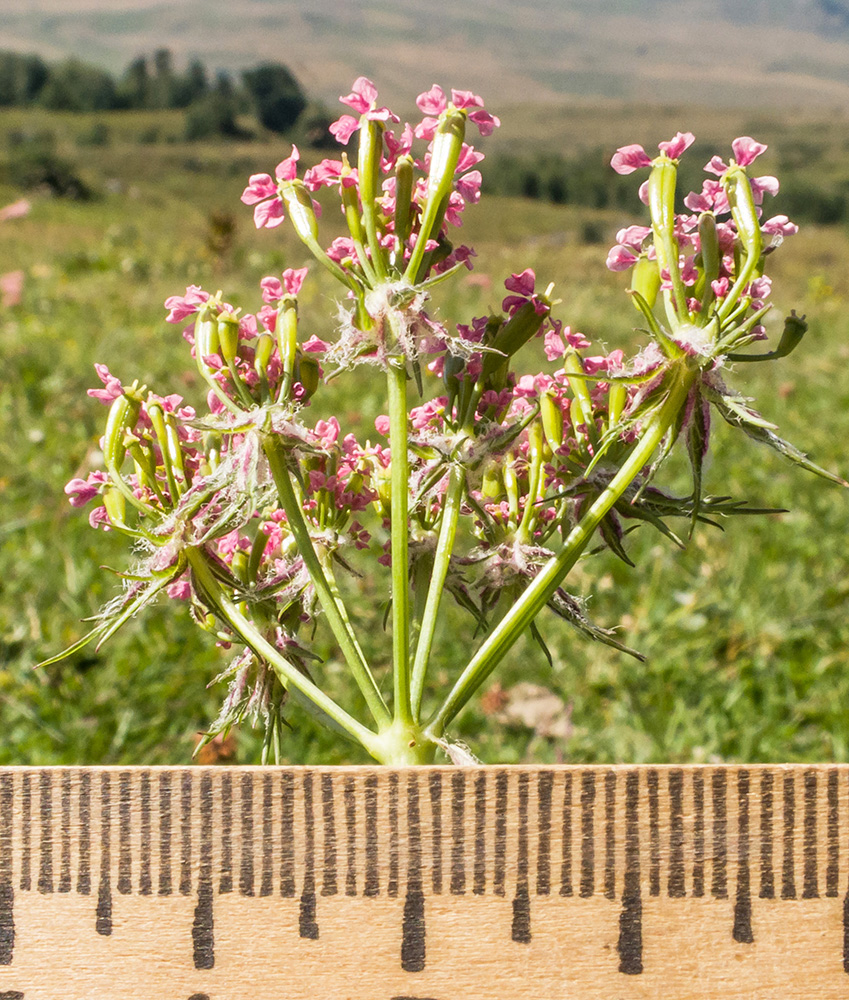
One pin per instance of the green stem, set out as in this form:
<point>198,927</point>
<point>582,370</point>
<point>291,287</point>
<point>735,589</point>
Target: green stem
<point>536,596</point>
<point>442,561</point>
<point>399,486</point>
<point>337,617</point>
<point>287,672</point>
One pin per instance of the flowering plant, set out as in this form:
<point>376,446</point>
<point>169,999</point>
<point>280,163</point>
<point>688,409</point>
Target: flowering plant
<point>490,488</point>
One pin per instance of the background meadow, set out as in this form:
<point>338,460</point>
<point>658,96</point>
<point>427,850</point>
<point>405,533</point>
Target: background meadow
<point>745,631</point>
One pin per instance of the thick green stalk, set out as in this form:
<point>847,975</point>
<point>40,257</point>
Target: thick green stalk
<point>399,485</point>
<point>442,561</point>
<point>337,618</point>
<point>287,672</point>
<point>538,594</point>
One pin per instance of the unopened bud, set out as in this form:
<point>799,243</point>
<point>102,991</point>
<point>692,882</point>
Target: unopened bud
<point>552,420</point>
<point>262,352</point>
<point>301,210</point>
<point>645,279</point>
<point>307,372</point>
<point>123,415</point>
<point>228,336</point>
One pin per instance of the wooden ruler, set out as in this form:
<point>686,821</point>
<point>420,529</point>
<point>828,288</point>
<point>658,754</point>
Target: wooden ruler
<point>424,884</point>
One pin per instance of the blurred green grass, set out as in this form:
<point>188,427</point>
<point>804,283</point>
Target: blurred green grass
<point>746,631</point>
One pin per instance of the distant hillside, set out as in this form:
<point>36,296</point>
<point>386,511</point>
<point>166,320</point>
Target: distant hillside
<point>728,52</point>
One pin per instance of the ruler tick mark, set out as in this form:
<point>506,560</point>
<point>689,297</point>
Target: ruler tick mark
<point>788,878</point>
<point>767,890</point>
<point>545,785</point>
<point>225,883</point>
<point>719,789</point>
<point>498,874</point>
<point>164,834</point>
<point>125,878</point>
<point>630,945</point>
<point>307,924</point>
<point>7,892</point>
<point>328,882</point>
<point>810,888</point>
<point>372,886</point>
<point>566,831</point>
<point>742,931</point>
<point>103,913</point>
<point>203,935</point>
<point>64,884</point>
<point>479,884</point>
<point>521,928</point>
<point>675,886</point>
<point>413,926</point>
<point>458,834</point>
<point>610,834</point>
<point>266,886</point>
<point>351,831</point>
<point>186,833</point>
<point>833,845</point>
<point>287,834</point>
<point>246,862</point>
<point>587,835</point>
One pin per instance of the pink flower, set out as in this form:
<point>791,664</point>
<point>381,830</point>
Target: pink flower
<point>780,225</point>
<point>627,159</point>
<point>314,345</point>
<point>433,102</point>
<point>746,150</point>
<point>16,210</point>
<point>182,306</point>
<point>382,425</point>
<point>363,99</point>
<point>621,258</point>
<point>676,146</point>
<point>113,388</point>
<point>273,289</point>
<point>11,288</point>
<point>81,491</point>
<point>262,192</point>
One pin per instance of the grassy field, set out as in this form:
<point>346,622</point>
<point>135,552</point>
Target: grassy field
<point>746,631</point>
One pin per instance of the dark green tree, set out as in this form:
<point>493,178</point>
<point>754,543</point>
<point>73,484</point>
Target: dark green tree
<point>76,86</point>
<point>277,95</point>
<point>21,78</point>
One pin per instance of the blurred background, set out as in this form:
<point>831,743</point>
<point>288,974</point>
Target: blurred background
<point>128,129</point>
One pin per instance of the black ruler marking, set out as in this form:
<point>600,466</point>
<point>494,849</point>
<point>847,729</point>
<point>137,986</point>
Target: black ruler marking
<point>84,871</point>
<point>45,808</point>
<point>186,833</point>
<point>767,890</point>
<point>479,884</point>
<point>287,834</point>
<point>846,932</point>
<point>698,835</point>
<point>719,880</point>
<point>630,945</point>
<point>499,865</point>
<point>435,788</point>
<point>125,861</point>
<point>307,923</point>
<point>413,925</point>
<point>225,882</point>
<point>392,885</point>
<point>372,886</point>
<point>26,831</point>
<point>788,874</point>
<point>675,887</point>
<point>545,787</point>
<point>742,930</point>
<point>164,834</point>
<point>103,913</point>
<point>810,886</point>
<point>832,872</point>
<point>266,885</point>
<point>458,833</point>
<point>7,891</point>
<point>328,881</point>
<point>246,861</point>
<point>145,873</point>
<point>610,834</point>
<point>566,831</point>
<point>203,927</point>
<point>587,834</point>
<point>521,927</point>
<point>653,784</point>
<point>351,833</point>
<point>64,883</point>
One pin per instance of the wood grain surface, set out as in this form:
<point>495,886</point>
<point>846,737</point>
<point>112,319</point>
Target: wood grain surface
<point>491,883</point>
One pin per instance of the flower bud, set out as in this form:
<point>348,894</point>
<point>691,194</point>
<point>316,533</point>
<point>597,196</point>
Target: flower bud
<point>262,352</point>
<point>123,415</point>
<point>206,334</point>
<point>795,328</point>
<point>515,333</point>
<point>228,336</point>
<point>645,279</point>
<point>617,397</point>
<point>301,210</point>
<point>239,565</point>
<point>743,209</point>
<point>307,373</point>
<point>115,504</point>
<point>552,420</point>
<point>403,197</point>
